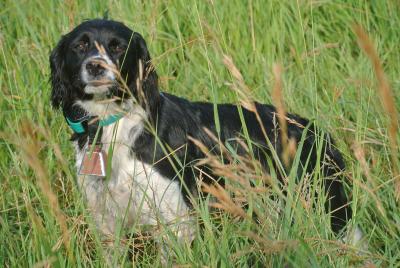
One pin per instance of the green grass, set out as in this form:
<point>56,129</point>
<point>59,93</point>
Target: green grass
<point>326,77</point>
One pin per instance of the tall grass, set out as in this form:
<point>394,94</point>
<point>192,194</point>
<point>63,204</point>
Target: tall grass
<point>325,76</point>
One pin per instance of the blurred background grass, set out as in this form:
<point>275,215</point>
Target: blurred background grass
<point>326,77</point>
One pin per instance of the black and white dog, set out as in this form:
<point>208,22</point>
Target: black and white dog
<point>101,71</point>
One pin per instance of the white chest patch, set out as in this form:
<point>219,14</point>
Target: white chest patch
<point>135,193</point>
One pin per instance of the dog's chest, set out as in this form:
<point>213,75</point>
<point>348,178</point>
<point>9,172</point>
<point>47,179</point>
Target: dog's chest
<point>135,190</point>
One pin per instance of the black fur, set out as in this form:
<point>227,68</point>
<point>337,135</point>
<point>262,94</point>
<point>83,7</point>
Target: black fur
<point>176,118</point>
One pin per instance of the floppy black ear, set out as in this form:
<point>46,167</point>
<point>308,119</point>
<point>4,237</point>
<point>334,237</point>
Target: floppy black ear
<point>58,91</point>
<point>150,78</point>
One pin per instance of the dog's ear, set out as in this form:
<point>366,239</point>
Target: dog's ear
<point>59,90</point>
<point>149,77</point>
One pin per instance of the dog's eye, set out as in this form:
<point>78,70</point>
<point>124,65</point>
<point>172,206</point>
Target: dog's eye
<point>82,46</point>
<point>115,47</point>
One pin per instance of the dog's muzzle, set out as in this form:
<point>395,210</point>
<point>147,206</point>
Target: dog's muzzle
<point>97,74</point>
<point>96,68</point>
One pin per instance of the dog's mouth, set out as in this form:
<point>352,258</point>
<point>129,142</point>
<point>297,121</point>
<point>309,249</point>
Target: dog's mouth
<point>105,91</point>
<point>101,83</point>
<point>100,87</point>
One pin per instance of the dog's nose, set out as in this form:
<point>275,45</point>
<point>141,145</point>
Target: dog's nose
<point>96,67</point>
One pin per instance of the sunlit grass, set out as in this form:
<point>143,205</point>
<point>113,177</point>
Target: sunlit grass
<point>326,76</point>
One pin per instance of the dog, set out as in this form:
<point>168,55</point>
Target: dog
<point>103,80</point>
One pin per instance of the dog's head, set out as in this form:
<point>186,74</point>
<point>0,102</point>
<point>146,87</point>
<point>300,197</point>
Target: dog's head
<point>100,59</point>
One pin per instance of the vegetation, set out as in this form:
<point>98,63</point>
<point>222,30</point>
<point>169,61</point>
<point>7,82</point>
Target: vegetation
<point>326,76</point>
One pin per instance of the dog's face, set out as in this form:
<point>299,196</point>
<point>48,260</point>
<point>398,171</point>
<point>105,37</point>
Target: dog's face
<point>93,59</point>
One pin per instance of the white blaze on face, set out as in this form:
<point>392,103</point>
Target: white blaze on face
<point>107,76</point>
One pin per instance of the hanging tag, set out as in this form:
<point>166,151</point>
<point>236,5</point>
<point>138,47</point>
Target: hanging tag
<point>94,163</point>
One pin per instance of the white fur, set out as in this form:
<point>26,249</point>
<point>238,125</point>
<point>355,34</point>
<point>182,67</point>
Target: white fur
<point>355,237</point>
<point>135,192</point>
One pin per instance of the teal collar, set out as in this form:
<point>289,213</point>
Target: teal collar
<point>79,126</point>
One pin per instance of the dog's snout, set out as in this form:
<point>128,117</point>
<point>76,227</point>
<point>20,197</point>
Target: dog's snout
<point>95,72</point>
<point>96,67</point>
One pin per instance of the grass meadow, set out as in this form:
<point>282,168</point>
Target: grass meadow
<point>330,73</point>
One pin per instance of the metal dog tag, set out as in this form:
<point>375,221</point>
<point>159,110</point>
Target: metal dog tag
<point>94,163</point>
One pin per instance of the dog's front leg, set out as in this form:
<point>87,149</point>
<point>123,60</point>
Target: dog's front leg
<point>103,210</point>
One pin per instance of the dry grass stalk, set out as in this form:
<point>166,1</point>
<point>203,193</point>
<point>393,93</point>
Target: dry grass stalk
<point>241,171</point>
<point>114,69</point>
<point>71,7</point>
<point>272,246</point>
<point>360,156</point>
<point>387,99</point>
<point>142,76</point>
<point>355,252</point>
<point>244,167</point>
<point>316,51</point>
<point>36,219</point>
<point>243,91</point>
<point>211,160</point>
<point>139,83</point>
<point>288,145</point>
<point>221,147</point>
<point>225,202</point>
<point>30,146</point>
<point>239,85</point>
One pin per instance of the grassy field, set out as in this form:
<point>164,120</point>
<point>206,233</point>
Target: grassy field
<point>326,77</point>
